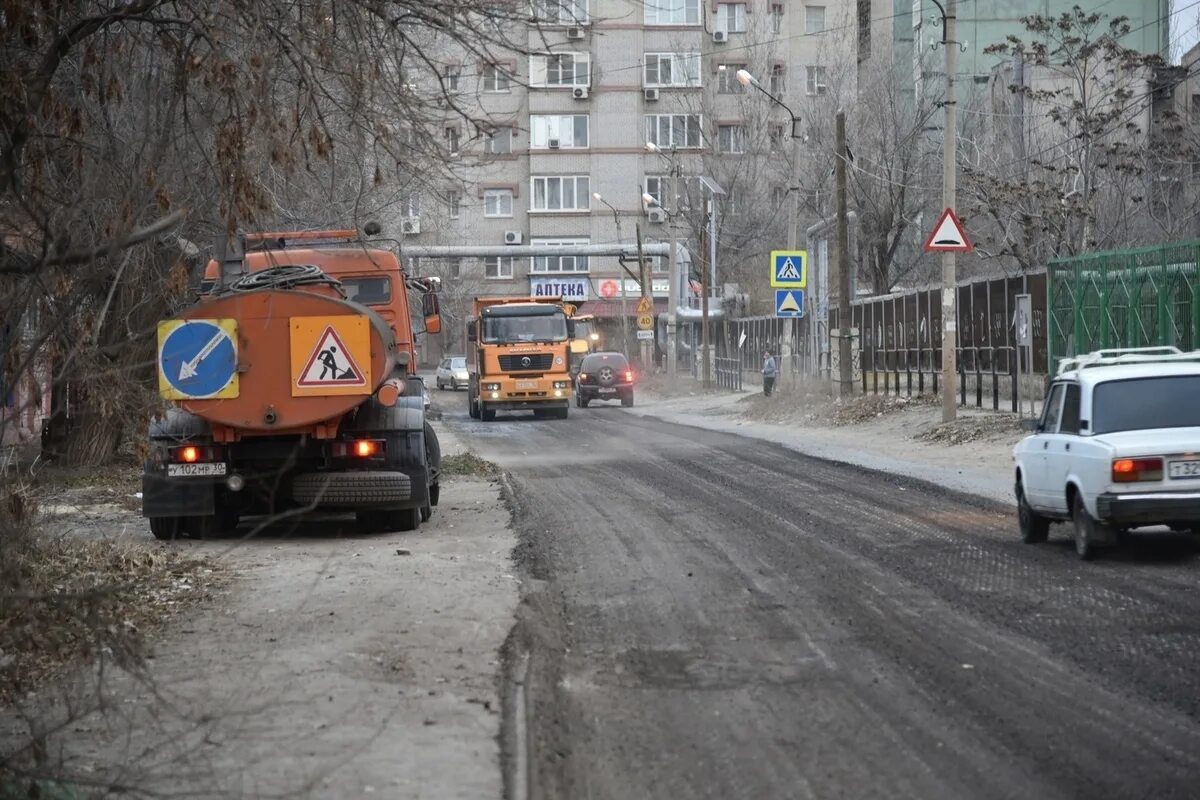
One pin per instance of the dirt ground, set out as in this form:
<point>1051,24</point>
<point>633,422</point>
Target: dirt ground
<point>334,665</point>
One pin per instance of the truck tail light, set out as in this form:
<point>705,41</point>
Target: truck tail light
<point>194,454</point>
<point>359,448</point>
<point>1133,470</point>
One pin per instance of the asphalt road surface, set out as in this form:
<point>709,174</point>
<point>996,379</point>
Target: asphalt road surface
<point>707,616</point>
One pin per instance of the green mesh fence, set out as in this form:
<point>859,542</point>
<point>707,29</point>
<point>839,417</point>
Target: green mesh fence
<point>1125,298</point>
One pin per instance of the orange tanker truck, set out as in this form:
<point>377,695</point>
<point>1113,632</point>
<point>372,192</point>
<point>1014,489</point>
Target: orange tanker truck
<point>519,357</point>
<point>293,387</point>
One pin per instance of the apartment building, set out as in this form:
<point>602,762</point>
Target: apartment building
<point>563,159</point>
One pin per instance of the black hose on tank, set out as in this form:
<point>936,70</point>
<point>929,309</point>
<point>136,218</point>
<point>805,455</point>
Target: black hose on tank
<point>284,277</point>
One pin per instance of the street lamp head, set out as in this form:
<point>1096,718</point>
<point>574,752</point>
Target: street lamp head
<point>648,199</point>
<point>745,78</point>
<point>596,196</point>
<point>651,147</point>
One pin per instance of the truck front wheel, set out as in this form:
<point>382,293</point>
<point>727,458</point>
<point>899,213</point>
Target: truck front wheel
<point>486,414</point>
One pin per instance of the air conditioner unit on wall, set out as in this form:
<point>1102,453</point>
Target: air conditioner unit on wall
<point>657,215</point>
<point>651,95</point>
<point>552,144</point>
<point>410,225</point>
<point>574,33</point>
<point>720,37</point>
<point>513,237</point>
<point>580,93</point>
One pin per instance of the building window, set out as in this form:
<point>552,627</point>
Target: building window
<point>498,267</point>
<point>727,82</point>
<point>450,75</point>
<point>674,130</point>
<point>560,69</point>
<point>672,12</point>
<point>814,80</point>
<point>567,131</point>
<point>731,139</point>
<point>731,17</point>
<point>495,79</point>
<point>561,193</point>
<point>558,263</point>
<point>671,196</point>
<point>776,18</point>
<point>497,202</point>
<point>454,268</point>
<point>452,140</point>
<point>814,19</point>
<point>665,70</point>
<point>561,12</point>
<point>778,79</point>
<point>498,142</point>
<point>454,203</point>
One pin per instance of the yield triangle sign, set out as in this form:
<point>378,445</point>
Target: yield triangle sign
<point>948,235</point>
<point>330,364</point>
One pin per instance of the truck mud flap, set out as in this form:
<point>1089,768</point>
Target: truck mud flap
<point>358,490</point>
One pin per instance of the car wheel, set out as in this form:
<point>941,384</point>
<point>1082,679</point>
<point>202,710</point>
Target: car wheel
<point>1034,527</point>
<point>438,383</point>
<point>453,385</point>
<point>1086,530</point>
<point>627,400</point>
<point>583,402</point>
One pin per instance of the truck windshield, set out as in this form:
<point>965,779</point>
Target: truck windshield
<point>539,328</point>
<point>1172,401</point>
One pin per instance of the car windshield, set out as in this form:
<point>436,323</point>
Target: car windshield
<point>539,328</point>
<point>598,360</point>
<point>458,363</point>
<point>1171,401</point>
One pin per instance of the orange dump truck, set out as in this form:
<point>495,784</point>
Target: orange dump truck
<point>519,357</point>
<point>293,386</point>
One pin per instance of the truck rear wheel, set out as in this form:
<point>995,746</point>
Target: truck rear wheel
<point>167,529</point>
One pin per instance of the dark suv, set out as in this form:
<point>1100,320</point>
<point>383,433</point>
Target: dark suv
<point>604,376</point>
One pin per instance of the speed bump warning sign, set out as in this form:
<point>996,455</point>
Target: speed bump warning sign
<point>330,356</point>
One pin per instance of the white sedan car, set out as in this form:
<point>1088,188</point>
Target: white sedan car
<point>1117,447</point>
<point>452,372</point>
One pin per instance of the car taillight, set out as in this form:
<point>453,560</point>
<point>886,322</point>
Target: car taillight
<point>629,376</point>
<point>583,376</point>
<point>359,448</point>
<point>194,454</point>
<point>1133,470</point>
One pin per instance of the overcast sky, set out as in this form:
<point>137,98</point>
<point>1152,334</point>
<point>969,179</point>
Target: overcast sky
<point>1185,26</point>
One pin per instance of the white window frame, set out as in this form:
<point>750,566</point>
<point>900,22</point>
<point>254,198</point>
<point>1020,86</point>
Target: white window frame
<point>544,127</point>
<point>498,197</point>
<point>731,18</point>
<point>542,187</point>
<point>673,12</point>
<point>501,81</point>
<point>544,66</point>
<point>777,79</point>
<point>727,82</point>
<point>811,26</point>
<point>545,267</point>
<point>561,12</point>
<point>814,80</point>
<point>692,123</point>
<point>684,69</point>
<point>453,140</point>
<point>454,203</point>
<point>452,76</point>
<point>777,18</point>
<point>731,139</point>
<point>502,134</point>
<point>496,265</point>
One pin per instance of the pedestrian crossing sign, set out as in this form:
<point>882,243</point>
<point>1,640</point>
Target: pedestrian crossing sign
<point>789,269</point>
<point>330,356</point>
<point>789,302</point>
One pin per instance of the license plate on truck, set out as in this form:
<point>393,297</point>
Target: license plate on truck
<point>1184,469</point>
<point>194,470</point>
<point>526,384</point>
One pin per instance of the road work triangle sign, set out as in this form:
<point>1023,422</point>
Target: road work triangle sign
<point>331,365</point>
<point>948,235</point>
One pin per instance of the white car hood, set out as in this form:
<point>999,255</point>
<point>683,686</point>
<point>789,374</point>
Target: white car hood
<point>1163,441</point>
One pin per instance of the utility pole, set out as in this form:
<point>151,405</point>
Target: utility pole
<point>793,243</point>
<point>672,285</point>
<point>949,277</point>
<point>706,363</point>
<point>645,345</point>
<point>845,320</point>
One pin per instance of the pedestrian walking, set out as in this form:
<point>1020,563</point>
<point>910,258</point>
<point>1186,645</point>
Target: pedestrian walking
<point>768,373</point>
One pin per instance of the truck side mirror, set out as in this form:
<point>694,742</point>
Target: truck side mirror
<point>471,331</point>
<point>431,310</point>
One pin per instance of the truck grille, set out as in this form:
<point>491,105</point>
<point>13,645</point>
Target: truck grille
<point>531,362</point>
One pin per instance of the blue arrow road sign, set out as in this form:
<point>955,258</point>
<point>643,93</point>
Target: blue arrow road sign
<point>197,358</point>
<point>789,269</point>
<point>789,302</point>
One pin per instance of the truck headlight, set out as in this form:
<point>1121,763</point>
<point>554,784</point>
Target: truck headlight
<point>562,384</point>
<point>491,387</point>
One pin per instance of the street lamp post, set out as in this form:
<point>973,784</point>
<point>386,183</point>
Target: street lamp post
<point>672,264</point>
<point>620,239</point>
<point>793,233</point>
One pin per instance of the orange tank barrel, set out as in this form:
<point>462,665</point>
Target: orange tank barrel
<point>286,355</point>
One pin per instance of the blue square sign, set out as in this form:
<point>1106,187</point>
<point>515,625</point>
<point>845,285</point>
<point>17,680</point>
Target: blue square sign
<point>789,269</point>
<point>789,302</point>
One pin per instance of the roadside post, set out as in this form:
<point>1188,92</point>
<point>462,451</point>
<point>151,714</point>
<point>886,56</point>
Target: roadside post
<point>948,237</point>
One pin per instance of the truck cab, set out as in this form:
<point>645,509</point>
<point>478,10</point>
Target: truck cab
<point>519,357</point>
